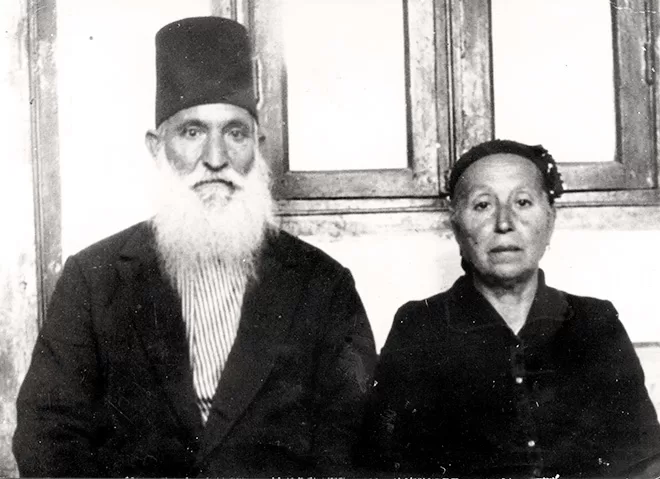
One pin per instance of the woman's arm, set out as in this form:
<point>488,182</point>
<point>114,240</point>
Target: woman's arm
<point>630,424</point>
<point>389,421</point>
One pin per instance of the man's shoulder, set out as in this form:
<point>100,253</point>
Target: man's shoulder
<point>111,247</point>
<point>295,252</point>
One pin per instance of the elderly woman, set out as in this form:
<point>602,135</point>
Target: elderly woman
<point>502,375</point>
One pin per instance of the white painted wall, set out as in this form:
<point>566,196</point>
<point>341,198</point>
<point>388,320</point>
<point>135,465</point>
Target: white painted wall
<point>18,276</point>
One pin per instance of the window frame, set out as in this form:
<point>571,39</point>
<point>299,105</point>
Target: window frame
<point>462,93</point>
<point>428,139</point>
<point>633,167</point>
<point>632,178</point>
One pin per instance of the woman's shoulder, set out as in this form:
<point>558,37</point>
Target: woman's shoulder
<point>589,303</point>
<point>593,317</point>
<point>418,320</point>
<point>421,308</point>
<point>414,330</point>
<point>588,307</point>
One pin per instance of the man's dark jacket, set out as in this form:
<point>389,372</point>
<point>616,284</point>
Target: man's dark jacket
<point>458,394</point>
<point>109,391</point>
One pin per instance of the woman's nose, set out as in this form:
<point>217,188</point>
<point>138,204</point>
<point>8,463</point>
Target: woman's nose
<point>503,222</point>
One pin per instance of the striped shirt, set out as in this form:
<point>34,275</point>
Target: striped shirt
<point>211,301</point>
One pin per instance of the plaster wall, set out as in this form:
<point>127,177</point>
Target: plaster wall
<point>18,276</point>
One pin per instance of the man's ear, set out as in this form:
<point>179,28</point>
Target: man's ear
<point>152,140</point>
<point>259,135</point>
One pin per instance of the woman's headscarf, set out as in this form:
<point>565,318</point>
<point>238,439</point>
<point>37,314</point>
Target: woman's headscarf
<point>538,155</point>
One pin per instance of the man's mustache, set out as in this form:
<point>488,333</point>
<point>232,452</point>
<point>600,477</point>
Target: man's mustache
<point>232,181</point>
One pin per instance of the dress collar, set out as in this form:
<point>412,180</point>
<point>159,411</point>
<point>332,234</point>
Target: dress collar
<point>469,310</point>
<point>548,312</point>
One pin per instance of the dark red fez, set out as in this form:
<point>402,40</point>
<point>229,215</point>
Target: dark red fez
<point>203,60</point>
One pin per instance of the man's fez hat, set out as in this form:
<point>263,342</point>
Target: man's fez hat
<point>203,60</point>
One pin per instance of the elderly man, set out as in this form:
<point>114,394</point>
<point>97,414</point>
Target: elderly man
<point>204,341</point>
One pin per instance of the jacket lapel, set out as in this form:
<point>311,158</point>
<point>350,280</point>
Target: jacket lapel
<point>268,306</point>
<point>160,325</point>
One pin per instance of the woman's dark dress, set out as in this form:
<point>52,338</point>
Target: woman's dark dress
<point>458,393</point>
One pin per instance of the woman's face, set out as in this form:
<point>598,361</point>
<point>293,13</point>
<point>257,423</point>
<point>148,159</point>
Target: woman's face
<point>501,217</point>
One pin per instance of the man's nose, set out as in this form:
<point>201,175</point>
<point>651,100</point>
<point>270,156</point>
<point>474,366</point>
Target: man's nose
<point>215,156</point>
<point>504,222</point>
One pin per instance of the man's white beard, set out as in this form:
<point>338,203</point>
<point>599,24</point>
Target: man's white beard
<point>191,231</point>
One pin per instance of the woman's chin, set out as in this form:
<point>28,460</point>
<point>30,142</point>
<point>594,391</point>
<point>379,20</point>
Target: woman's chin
<point>505,274</point>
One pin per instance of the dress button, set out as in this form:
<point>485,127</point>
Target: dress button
<point>531,443</point>
<point>519,380</point>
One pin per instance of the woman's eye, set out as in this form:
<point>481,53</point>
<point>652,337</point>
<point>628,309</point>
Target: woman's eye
<point>481,205</point>
<point>524,202</point>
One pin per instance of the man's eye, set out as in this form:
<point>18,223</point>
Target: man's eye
<point>481,205</point>
<point>524,202</point>
<point>191,132</point>
<point>237,134</point>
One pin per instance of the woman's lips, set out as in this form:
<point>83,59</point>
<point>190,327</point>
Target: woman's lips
<point>505,253</point>
<point>505,249</point>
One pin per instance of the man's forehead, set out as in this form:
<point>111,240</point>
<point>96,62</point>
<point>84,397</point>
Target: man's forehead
<point>213,113</point>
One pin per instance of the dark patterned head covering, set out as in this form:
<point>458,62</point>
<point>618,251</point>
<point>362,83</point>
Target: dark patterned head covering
<point>203,60</point>
<point>538,155</point>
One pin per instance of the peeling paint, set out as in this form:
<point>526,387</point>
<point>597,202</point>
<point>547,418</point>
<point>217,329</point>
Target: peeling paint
<point>18,295</point>
<point>8,390</point>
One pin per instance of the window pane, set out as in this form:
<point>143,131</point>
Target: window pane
<point>554,76</point>
<point>346,106</point>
